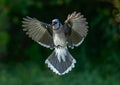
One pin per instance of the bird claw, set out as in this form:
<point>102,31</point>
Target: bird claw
<point>58,46</point>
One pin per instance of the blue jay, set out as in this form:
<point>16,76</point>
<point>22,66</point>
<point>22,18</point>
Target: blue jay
<point>58,37</point>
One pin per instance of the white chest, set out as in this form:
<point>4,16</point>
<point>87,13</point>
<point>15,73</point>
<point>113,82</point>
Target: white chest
<point>59,40</point>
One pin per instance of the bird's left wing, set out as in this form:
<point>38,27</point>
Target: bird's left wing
<point>38,31</point>
<point>75,28</point>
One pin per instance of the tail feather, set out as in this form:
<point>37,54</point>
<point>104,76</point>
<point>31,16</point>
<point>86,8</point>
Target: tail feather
<point>60,63</point>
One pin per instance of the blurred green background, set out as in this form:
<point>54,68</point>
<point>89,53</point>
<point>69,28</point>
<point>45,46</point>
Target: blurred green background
<point>98,58</point>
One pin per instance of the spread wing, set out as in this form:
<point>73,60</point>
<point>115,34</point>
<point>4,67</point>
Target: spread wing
<point>75,28</point>
<point>38,31</point>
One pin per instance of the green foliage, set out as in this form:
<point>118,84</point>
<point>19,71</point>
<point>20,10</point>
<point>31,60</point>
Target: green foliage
<point>4,38</point>
<point>30,74</point>
<point>98,58</point>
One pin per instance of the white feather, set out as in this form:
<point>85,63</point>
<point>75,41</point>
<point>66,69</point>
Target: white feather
<point>56,71</point>
<point>47,46</point>
<point>52,67</point>
<point>80,42</point>
<point>61,53</point>
<point>70,68</point>
<point>59,41</point>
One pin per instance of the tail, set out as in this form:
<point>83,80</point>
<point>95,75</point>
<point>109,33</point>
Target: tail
<point>60,61</point>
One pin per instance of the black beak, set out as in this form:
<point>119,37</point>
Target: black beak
<point>53,24</point>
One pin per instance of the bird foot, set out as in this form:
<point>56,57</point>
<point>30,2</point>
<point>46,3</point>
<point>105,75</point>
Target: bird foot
<point>58,46</point>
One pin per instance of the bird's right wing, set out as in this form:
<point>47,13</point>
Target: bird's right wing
<point>38,31</point>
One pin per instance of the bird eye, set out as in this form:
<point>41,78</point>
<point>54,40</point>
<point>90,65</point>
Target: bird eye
<point>55,22</point>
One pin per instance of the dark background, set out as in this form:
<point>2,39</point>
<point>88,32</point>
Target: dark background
<point>98,57</point>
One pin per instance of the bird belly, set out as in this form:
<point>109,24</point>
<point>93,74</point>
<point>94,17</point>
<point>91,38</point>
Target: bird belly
<point>59,40</point>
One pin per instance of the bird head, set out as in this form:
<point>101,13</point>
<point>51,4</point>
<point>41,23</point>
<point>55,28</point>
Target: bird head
<point>56,24</point>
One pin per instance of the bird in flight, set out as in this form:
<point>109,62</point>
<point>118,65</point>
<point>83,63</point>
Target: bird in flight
<point>59,38</point>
